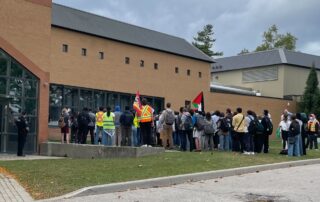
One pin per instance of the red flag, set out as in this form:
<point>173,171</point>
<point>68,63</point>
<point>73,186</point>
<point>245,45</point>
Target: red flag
<point>198,102</point>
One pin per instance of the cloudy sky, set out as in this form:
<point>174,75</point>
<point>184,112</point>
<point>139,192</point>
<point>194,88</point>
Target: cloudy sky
<point>237,24</point>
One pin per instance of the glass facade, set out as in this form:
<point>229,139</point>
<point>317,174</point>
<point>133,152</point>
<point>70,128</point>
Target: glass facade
<point>76,98</point>
<point>18,92</point>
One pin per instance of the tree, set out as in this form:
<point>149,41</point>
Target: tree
<point>272,39</point>
<point>244,51</point>
<point>204,41</point>
<point>310,99</point>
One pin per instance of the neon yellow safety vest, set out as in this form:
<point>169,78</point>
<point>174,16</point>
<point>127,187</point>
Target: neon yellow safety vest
<point>108,122</point>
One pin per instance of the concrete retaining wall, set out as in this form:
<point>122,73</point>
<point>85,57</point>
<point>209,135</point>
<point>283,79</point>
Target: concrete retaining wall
<point>95,151</point>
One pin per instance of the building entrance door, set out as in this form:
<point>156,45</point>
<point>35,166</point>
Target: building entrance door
<point>2,126</point>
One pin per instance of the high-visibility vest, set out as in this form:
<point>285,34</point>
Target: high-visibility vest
<point>146,114</point>
<point>99,118</point>
<point>136,122</point>
<point>108,122</point>
<point>312,125</point>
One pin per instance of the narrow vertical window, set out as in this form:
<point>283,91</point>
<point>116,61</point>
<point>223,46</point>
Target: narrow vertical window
<point>101,55</point>
<point>155,66</point>
<point>84,52</point>
<point>127,60</point>
<point>141,63</point>
<point>200,74</point>
<point>188,72</point>
<point>64,48</point>
<point>176,70</point>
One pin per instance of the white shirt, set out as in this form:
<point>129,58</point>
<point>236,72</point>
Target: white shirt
<point>285,125</point>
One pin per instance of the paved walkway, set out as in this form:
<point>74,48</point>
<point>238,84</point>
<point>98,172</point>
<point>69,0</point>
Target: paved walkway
<point>282,185</point>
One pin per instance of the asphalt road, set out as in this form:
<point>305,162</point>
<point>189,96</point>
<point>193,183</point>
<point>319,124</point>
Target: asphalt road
<point>291,184</point>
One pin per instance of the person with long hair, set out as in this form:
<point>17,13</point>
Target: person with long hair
<point>284,127</point>
<point>108,128</point>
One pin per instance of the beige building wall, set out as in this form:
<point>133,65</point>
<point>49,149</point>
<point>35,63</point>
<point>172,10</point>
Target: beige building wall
<point>113,74</point>
<point>295,80</point>
<point>267,88</point>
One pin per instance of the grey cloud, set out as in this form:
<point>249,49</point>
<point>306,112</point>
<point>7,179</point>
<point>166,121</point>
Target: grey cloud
<point>237,24</point>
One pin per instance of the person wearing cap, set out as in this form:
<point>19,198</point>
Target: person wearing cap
<point>313,128</point>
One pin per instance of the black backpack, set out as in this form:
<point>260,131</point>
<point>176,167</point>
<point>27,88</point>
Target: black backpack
<point>255,127</point>
<point>208,128</point>
<point>294,128</point>
<point>225,125</point>
<point>83,119</point>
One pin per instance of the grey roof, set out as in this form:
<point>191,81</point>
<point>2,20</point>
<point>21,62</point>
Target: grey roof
<point>81,21</point>
<point>265,58</point>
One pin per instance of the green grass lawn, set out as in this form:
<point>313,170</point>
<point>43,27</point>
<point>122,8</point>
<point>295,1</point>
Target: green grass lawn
<point>50,178</point>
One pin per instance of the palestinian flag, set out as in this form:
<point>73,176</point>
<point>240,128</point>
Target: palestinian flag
<point>198,102</point>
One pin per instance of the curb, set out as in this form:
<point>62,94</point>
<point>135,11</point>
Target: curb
<point>179,179</point>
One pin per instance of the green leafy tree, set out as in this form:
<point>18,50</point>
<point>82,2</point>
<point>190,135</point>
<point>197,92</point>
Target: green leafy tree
<point>204,41</point>
<point>311,96</point>
<point>244,51</point>
<point>272,39</point>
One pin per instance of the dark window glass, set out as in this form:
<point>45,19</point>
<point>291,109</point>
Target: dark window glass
<point>30,88</point>
<point>187,104</point>
<point>3,66</point>
<point>15,87</point>
<point>3,86</point>
<point>29,75</point>
<point>188,72</point>
<point>101,55</point>
<point>83,52</point>
<point>158,105</point>
<point>176,70</point>
<point>98,99</point>
<point>16,70</point>
<point>85,98</point>
<point>200,74</point>
<point>64,48</point>
<point>31,106</point>
<point>141,63</point>
<point>156,66</point>
<point>112,100</point>
<point>71,97</point>
<point>127,60</point>
<point>125,101</point>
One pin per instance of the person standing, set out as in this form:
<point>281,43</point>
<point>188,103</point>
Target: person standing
<point>224,128</point>
<point>209,131</point>
<point>91,125</point>
<point>293,137</point>
<point>268,129</point>
<point>313,128</point>
<point>167,120</point>
<point>23,130</point>
<point>136,131</point>
<point>64,125</point>
<point>83,121</point>
<point>118,135</point>
<point>146,120</point>
<point>108,128</point>
<point>284,126</point>
<point>238,124</point>
<point>126,122</point>
<point>99,125</point>
<point>187,128</point>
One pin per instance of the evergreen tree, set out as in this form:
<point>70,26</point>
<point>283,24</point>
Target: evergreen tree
<point>204,41</point>
<point>311,96</point>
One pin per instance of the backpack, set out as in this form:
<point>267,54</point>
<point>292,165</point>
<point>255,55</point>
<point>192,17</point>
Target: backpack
<point>169,117</point>
<point>260,128</point>
<point>255,127</point>
<point>82,119</point>
<point>200,123</point>
<point>208,128</point>
<point>269,126</point>
<point>225,125</point>
<point>188,123</point>
<point>61,122</point>
<point>127,119</point>
<point>294,128</point>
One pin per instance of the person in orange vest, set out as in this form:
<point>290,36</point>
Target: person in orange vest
<point>313,128</point>
<point>99,125</point>
<point>146,120</point>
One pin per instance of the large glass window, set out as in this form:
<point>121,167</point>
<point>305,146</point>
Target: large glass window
<point>3,65</point>
<point>85,98</point>
<point>112,100</point>
<point>55,103</point>
<point>98,99</point>
<point>125,101</point>
<point>71,97</point>
<point>3,84</point>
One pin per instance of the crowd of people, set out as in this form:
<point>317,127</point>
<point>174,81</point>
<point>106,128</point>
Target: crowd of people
<point>189,130</point>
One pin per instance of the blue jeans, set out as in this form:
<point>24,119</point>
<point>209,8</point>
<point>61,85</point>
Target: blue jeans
<point>108,137</point>
<point>248,140</point>
<point>134,136</point>
<point>224,142</point>
<point>176,138</point>
<point>294,149</point>
<point>183,139</point>
<point>99,130</point>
